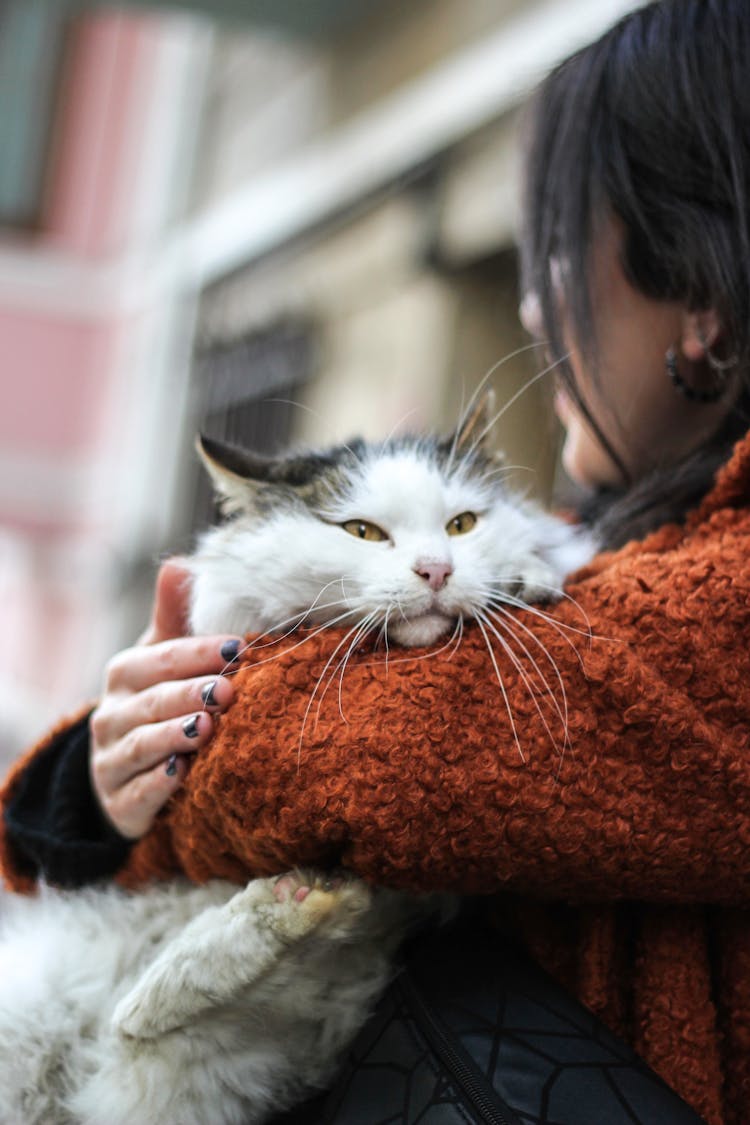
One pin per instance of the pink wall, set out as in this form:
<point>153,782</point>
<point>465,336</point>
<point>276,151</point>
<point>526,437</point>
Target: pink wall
<point>109,57</point>
<point>56,369</point>
<point>56,374</point>
<point>61,370</point>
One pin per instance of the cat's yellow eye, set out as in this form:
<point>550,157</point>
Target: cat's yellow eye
<point>459,525</point>
<point>363,529</point>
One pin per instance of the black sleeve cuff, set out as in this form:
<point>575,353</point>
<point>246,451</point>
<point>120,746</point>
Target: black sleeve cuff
<point>54,824</point>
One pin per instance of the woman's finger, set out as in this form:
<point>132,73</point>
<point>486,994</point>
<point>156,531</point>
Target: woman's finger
<point>169,614</point>
<point>146,747</point>
<point>138,668</point>
<point>119,715</point>
<point>133,807</point>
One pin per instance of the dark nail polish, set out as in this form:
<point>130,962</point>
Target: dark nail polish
<point>207,694</point>
<point>171,769</point>
<point>229,651</point>
<point>190,727</point>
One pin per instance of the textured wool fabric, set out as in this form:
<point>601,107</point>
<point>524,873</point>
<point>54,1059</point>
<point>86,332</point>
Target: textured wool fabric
<point>612,819</point>
<point>54,820</point>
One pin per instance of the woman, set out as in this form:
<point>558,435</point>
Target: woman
<point>628,861</point>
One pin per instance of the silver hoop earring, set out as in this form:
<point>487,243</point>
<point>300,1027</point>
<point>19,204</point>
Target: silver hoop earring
<point>688,392</point>
<point>719,366</point>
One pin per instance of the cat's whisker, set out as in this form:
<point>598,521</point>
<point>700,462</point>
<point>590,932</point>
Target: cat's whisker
<point>383,636</point>
<point>459,627</point>
<point>316,414</point>
<point>314,692</point>
<point>503,689</point>
<point>514,398</point>
<point>230,668</point>
<point>562,595</point>
<point>280,630</point>
<point>526,680</point>
<point>274,636</point>
<point>339,580</point>
<point>303,641</point>
<point>513,624</point>
<point>556,594</point>
<point>561,710</point>
<point>561,627</point>
<point>396,427</point>
<point>396,603</point>
<point>298,619</point>
<point>364,629</point>
<point>457,635</point>
<point>465,411</point>
<point>354,630</point>
<point>277,632</point>
<point>454,640</point>
<point>504,470</point>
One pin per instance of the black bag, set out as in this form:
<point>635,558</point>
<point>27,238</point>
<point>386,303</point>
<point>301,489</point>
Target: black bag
<point>471,1032</point>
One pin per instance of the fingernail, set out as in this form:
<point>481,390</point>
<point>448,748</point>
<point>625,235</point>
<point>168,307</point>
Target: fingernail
<point>207,694</point>
<point>171,768</point>
<point>229,651</point>
<point>190,727</point>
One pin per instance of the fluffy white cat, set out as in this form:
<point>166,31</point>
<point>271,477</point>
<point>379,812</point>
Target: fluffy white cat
<point>183,1005</point>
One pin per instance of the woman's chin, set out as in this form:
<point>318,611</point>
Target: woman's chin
<point>422,630</point>
<point>584,459</point>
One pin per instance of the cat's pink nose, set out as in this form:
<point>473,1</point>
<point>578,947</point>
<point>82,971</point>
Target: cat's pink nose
<point>435,574</point>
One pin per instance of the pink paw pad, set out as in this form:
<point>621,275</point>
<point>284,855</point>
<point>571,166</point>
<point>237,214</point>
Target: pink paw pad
<point>288,887</point>
<point>291,886</point>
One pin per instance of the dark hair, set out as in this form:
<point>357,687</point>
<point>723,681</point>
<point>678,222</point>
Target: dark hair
<point>651,124</point>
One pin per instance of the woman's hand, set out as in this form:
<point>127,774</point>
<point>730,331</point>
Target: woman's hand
<point>157,706</point>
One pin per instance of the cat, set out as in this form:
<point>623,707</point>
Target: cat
<point>182,1005</point>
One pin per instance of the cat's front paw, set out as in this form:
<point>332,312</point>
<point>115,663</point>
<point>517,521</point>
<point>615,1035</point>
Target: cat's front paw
<point>134,1019</point>
<point>308,899</point>
<point>296,885</point>
<point>541,582</point>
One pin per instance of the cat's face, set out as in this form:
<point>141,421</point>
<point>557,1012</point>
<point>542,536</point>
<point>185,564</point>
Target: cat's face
<point>410,537</point>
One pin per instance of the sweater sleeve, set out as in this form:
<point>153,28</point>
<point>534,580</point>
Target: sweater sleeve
<point>601,750</point>
<point>52,826</point>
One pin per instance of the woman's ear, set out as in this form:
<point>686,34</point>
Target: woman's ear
<point>700,331</point>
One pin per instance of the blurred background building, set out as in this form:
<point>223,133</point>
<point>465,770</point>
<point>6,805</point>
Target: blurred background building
<point>275,220</point>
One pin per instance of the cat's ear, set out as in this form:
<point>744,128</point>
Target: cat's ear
<point>234,471</point>
<point>473,429</point>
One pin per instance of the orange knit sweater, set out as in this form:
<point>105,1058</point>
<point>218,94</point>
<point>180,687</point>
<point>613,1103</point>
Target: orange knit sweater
<point>620,851</point>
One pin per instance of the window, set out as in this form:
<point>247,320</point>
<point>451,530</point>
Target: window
<point>246,390</point>
<point>32,35</point>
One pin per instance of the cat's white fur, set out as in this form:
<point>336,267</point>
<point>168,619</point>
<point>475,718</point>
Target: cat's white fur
<point>259,576</point>
<point>184,1005</point>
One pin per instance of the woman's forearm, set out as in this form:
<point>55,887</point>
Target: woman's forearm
<point>52,826</point>
<point>630,782</point>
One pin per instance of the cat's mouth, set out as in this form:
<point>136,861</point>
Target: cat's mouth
<point>422,629</point>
